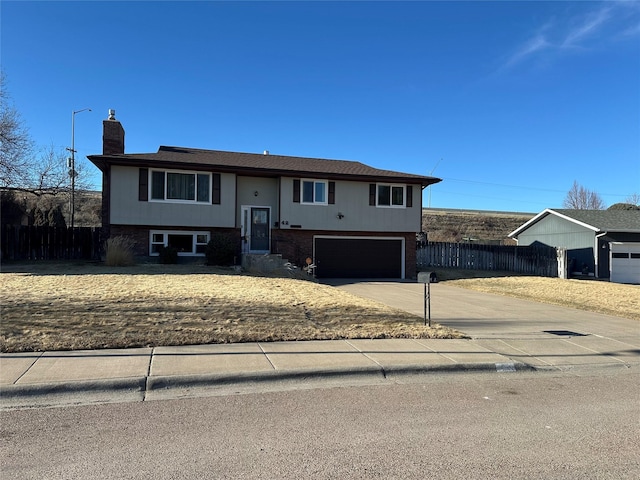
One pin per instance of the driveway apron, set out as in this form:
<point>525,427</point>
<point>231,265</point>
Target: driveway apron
<point>538,334</point>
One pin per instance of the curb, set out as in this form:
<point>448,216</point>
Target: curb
<point>460,367</point>
<point>117,384</point>
<point>585,366</point>
<point>156,383</point>
<point>91,391</point>
<point>137,388</point>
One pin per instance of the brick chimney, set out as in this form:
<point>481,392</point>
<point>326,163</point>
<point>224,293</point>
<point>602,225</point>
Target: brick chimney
<point>112,135</point>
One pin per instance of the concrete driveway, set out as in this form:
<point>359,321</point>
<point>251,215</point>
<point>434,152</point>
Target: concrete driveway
<point>530,332</point>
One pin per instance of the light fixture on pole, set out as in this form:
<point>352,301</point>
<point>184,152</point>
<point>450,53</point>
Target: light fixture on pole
<point>72,166</point>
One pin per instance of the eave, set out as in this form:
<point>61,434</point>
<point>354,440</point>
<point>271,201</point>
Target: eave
<point>104,162</point>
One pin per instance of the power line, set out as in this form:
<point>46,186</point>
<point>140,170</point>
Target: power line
<point>522,187</point>
<point>502,199</point>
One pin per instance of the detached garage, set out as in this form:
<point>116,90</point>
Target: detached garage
<point>589,237</point>
<point>625,262</point>
<point>359,257</point>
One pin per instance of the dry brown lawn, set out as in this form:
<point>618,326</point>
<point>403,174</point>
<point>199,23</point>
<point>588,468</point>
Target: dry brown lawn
<point>56,306</point>
<point>53,306</point>
<point>595,296</point>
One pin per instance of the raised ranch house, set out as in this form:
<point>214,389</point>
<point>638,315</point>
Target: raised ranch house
<point>599,243</point>
<point>349,219</point>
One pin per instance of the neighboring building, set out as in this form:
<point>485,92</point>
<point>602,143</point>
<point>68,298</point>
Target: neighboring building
<point>601,243</point>
<point>350,219</point>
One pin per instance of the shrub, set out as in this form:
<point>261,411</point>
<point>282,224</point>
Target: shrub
<point>222,250</point>
<point>119,252</point>
<point>168,255</point>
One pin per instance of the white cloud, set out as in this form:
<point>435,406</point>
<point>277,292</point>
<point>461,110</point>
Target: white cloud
<point>578,32</point>
<point>532,46</point>
<point>586,27</point>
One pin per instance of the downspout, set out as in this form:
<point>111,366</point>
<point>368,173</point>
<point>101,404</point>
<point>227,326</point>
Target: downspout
<point>597,250</point>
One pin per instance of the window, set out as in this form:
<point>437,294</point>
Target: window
<point>314,191</point>
<point>157,185</point>
<point>157,242</point>
<point>180,186</point>
<point>187,243</point>
<point>203,187</point>
<point>390,195</point>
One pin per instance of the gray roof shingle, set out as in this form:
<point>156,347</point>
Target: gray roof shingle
<point>606,220</point>
<point>618,221</point>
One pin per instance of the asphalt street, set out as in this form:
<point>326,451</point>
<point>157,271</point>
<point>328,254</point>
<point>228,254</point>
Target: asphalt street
<point>524,425</point>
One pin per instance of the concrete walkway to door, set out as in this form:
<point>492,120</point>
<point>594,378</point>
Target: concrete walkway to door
<point>537,334</point>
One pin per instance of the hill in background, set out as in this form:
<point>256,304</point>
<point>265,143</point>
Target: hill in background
<point>478,226</point>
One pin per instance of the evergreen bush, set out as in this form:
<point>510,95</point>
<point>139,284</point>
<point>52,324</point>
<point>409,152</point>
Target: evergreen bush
<point>168,255</point>
<point>222,250</point>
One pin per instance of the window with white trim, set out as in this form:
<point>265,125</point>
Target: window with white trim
<point>314,191</point>
<point>389,195</point>
<point>186,243</point>
<point>180,186</point>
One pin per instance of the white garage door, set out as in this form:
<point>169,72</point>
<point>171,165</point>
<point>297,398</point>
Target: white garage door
<point>625,262</point>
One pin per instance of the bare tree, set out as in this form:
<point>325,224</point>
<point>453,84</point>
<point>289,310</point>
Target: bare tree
<point>580,198</point>
<point>48,174</point>
<point>16,146</point>
<point>24,168</point>
<point>633,199</point>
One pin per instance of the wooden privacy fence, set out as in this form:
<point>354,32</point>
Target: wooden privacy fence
<point>533,260</point>
<point>50,243</point>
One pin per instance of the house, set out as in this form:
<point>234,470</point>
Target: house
<point>600,243</point>
<point>349,219</point>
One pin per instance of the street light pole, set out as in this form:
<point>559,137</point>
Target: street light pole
<point>72,165</point>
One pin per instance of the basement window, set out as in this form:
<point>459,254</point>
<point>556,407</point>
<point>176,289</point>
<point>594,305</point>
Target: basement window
<point>187,243</point>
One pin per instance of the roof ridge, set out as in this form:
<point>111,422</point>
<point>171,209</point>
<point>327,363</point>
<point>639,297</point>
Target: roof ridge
<point>169,148</point>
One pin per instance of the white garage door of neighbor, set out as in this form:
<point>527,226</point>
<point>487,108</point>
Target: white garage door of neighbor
<point>625,262</point>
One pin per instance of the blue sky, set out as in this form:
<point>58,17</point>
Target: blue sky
<point>507,102</point>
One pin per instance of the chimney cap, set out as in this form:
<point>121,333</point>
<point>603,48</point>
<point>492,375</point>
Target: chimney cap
<point>266,152</point>
<point>112,114</point>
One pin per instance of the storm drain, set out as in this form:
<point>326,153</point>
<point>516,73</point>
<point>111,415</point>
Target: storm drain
<point>565,333</point>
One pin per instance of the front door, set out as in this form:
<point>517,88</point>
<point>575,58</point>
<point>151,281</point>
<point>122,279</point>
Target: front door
<point>256,229</point>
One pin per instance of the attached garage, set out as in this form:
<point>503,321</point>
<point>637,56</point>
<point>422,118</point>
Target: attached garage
<point>625,262</point>
<point>359,257</point>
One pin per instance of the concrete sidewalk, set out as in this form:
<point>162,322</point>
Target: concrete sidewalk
<point>70,377</point>
<point>141,373</point>
<point>506,335</point>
